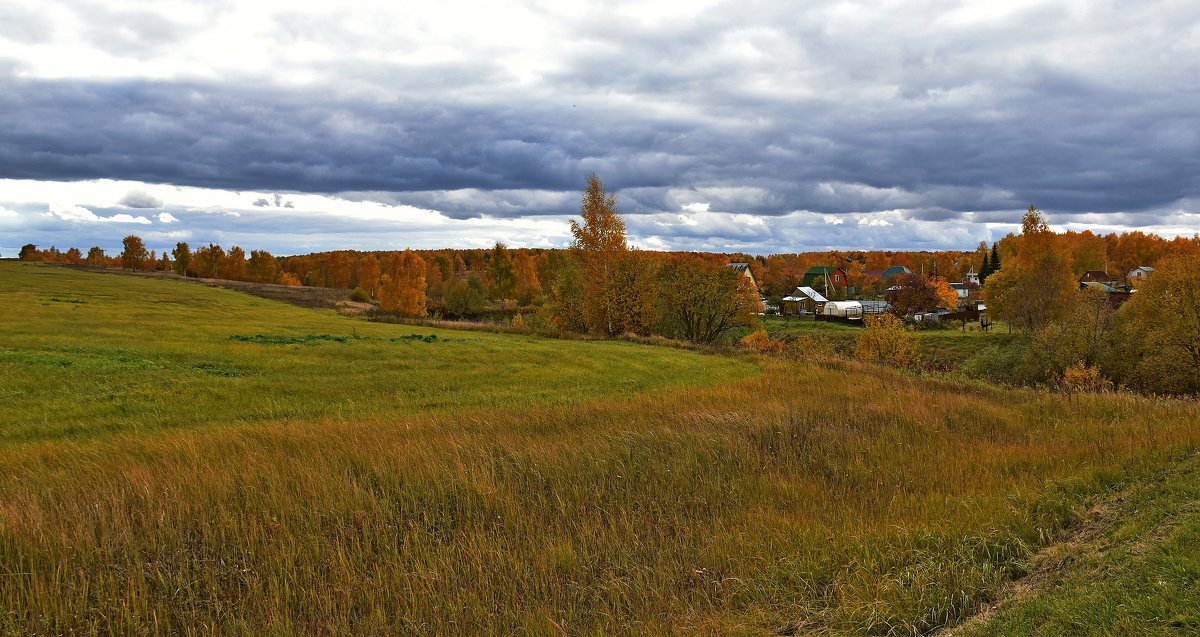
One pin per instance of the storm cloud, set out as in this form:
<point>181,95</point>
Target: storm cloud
<point>917,114</point>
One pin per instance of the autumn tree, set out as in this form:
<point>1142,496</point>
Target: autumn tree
<point>502,274</point>
<point>369,272</point>
<point>1080,337</point>
<point>206,261</point>
<point>599,241</point>
<point>402,286</point>
<point>701,300</point>
<point>164,262</point>
<point>566,305</point>
<point>465,295</point>
<point>96,257</point>
<point>262,267</point>
<point>634,293</point>
<point>886,340</point>
<point>133,253</point>
<point>339,270</point>
<point>914,293</point>
<point>29,252</point>
<point>435,284</point>
<point>182,254</point>
<point>233,265</point>
<point>1157,333</point>
<point>1036,286</point>
<point>529,284</point>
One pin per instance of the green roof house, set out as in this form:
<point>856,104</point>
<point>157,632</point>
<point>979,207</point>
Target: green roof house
<point>825,277</point>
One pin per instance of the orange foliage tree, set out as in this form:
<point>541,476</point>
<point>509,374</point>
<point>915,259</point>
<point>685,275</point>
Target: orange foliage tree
<point>529,284</point>
<point>1035,285</point>
<point>402,286</point>
<point>134,255</point>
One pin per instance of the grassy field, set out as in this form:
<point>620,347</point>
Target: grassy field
<point>943,349</point>
<point>176,459</point>
<point>85,353</point>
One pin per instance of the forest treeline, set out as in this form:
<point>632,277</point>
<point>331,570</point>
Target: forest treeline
<point>526,276</point>
<point>602,286</point>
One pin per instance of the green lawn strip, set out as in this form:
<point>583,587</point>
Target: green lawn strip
<point>1139,574</point>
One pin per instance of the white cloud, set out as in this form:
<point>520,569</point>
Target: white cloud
<point>166,217</point>
<point>79,214</point>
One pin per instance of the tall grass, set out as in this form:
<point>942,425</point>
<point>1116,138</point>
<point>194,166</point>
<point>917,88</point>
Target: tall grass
<point>809,498</point>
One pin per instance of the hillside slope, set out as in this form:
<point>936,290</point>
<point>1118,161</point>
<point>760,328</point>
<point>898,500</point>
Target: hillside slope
<point>176,459</point>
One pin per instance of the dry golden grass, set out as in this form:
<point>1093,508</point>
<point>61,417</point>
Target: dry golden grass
<point>826,498</point>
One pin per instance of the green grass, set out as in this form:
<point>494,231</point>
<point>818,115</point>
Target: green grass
<point>942,349</point>
<point>1138,576</point>
<point>709,496</point>
<point>132,353</point>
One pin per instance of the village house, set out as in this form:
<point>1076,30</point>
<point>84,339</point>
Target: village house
<point>826,278</point>
<point>1098,276</point>
<point>1117,296</point>
<point>889,272</point>
<point>744,270</point>
<point>803,300</point>
<point>1139,273</point>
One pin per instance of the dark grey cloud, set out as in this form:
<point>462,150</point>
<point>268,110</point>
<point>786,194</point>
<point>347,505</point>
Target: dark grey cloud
<point>140,199</point>
<point>758,108</point>
<point>1072,148</point>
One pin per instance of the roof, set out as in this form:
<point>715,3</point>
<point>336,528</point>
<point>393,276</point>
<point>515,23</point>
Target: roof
<point>803,293</point>
<point>895,270</point>
<point>1143,268</point>
<point>740,267</point>
<point>822,269</point>
<point>1100,286</point>
<point>878,274</point>
<point>1095,275</point>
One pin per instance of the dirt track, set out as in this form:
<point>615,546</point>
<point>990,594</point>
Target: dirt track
<point>327,298</point>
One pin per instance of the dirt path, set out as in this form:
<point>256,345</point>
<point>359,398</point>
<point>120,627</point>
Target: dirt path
<point>303,296</point>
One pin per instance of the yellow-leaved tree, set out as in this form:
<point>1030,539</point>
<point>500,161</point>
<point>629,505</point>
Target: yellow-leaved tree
<point>598,245</point>
<point>1156,339</point>
<point>402,286</point>
<point>1037,285</point>
<point>886,340</point>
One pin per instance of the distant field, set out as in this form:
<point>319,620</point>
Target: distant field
<point>177,459</point>
<point>83,353</point>
<point>941,348</point>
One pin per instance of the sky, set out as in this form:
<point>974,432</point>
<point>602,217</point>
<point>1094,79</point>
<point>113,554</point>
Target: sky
<point>761,127</point>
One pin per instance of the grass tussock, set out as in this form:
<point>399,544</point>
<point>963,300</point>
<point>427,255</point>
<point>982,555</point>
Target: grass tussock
<point>788,497</point>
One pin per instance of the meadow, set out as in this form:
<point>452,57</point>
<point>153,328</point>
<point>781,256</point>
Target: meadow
<point>942,349</point>
<point>176,459</point>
